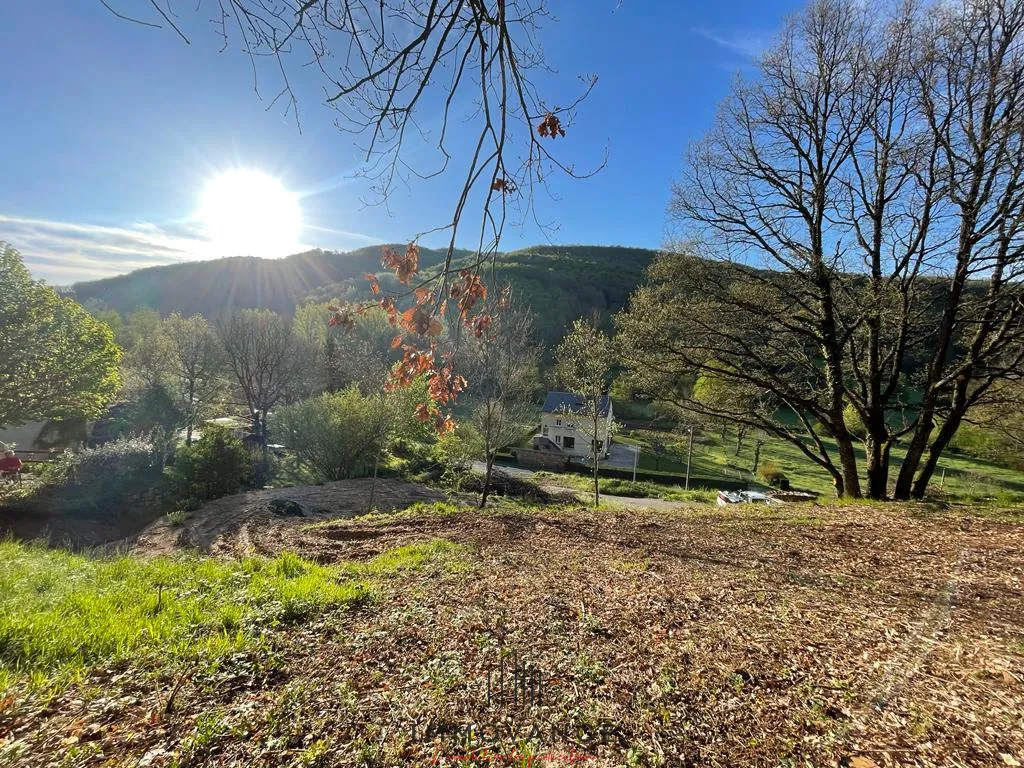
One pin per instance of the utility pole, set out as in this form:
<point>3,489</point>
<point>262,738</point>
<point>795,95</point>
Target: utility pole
<point>689,454</point>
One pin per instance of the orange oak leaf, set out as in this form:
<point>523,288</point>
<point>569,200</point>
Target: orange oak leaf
<point>551,126</point>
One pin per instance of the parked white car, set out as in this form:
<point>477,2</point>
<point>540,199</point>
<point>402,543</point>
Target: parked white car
<point>745,497</point>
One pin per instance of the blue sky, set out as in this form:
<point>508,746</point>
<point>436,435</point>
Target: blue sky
<point>111,130</point>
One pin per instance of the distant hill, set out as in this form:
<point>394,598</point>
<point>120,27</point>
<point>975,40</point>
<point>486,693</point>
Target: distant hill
<point>560,283</point>
<point>211,288</point>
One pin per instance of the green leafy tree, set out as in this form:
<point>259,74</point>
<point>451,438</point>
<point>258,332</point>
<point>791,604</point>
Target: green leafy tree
<point>196,365</point>
<point>586,359</point>
<point>310,330</point>
<point>334,436</point>
<point>56,360</point>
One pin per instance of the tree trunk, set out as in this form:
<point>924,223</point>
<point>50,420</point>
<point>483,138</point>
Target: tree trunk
<point>938,445</point>
<point>915,451</point>
<point>489,459</point>
<point>877,465</point>
<point>373,483</point>
<point>837,483</point>
<point>741,432</point>
<point>848,462</point>
<point>757,456</point>
<point>928,468</point>
<point>597,451</point>
<point>191,411</point>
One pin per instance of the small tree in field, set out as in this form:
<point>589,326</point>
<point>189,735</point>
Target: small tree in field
<point>502,367</point>
<point>585,362</point>
<point>216,465</point>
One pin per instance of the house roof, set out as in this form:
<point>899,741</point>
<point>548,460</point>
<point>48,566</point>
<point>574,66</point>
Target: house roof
<point>570,402</point>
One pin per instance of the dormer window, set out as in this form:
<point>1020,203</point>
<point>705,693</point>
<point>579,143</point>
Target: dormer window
<point>558,422</point>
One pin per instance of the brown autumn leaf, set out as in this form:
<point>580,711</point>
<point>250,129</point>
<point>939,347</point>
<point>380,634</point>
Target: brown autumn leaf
<point>403,265</point>
<point>551,127</point>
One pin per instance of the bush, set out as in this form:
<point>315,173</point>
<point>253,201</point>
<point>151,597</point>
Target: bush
<point>455,453</point>
<point>105,475</point>
<point>334,436</point>
<point>215,465</point>
<point>638,490</point>
<point>177,517</point>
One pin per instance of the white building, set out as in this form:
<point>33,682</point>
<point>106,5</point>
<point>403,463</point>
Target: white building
<point>562,424</point>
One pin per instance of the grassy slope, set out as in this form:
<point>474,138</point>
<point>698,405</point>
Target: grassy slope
<point>61,613</point>
<point>715,457</point>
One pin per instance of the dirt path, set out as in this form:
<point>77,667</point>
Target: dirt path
<point>246,523</point>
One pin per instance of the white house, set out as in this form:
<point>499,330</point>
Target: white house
<point>561,424</point>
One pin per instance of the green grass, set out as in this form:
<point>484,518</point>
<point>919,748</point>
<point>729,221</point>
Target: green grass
<point>61,613</point>
<point>638,490</point>
<point>411,557</point>
<point>966,478</point>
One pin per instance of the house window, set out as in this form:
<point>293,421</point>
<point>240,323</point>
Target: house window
<point>558,439</point>
<point>569,442</point>
<point>570,425</point>
<point>558,422</point>
<point>544,430</point>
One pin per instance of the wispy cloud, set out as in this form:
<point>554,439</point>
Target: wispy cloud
<point>63,252</point>
<point>346,234</point>
<point>748,43</point>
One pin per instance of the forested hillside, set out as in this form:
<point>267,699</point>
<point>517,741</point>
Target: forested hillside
<point>560,283</point>
<point>211,288</point>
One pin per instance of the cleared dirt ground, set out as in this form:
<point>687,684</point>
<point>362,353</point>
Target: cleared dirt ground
<point>806,636</point>
<point>246,524</point>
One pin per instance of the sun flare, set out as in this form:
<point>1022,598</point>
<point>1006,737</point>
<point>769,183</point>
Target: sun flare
<point>250,213</point>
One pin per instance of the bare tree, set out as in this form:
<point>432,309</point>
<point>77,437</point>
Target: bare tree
<point>502,369</point>
<point>586,359</point>
<point>845,186</point>
<point>196,365</point>
<point>258,346</point>
<point>971,82</point>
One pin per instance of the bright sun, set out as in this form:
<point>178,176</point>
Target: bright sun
<point>248,213</point>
